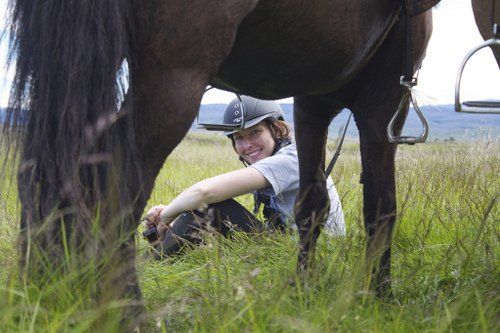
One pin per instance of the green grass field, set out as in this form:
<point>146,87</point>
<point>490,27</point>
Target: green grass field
<point>446,272</point>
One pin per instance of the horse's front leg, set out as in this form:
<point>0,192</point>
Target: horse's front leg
<point>379,204</point>
<point>379,189</point>
<point>312,205</point>
<point>375,97</point>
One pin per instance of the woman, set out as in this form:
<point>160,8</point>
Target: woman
<point>271,172</point>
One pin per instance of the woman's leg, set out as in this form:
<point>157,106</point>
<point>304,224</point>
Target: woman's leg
<point>224,217</point>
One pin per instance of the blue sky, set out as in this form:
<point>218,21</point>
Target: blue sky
<point>454,35</point>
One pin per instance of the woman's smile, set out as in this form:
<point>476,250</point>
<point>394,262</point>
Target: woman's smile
<point>253,153</point>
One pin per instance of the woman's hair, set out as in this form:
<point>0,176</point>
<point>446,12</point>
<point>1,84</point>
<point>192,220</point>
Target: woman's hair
<point>279,128</point>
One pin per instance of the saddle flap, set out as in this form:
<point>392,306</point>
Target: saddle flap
<point>417,7</point>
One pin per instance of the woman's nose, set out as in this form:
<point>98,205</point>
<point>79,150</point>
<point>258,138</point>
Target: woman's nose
<point>245,143</point>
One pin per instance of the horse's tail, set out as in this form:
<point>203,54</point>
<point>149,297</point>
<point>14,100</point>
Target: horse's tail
<point>65,100</point>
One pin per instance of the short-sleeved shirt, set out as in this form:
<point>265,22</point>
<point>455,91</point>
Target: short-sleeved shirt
<point>282,172</point>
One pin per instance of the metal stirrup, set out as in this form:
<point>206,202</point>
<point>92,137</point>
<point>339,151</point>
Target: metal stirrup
<point>390,128</point>
<point>492,106</point>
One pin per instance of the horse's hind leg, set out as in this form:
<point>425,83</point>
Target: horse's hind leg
<point>171,62</point>
<point>174,60</point>
<point>312,115</point>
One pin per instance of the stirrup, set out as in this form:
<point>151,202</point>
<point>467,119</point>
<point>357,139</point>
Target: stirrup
<point>489,106</point>
<point>410,140</point>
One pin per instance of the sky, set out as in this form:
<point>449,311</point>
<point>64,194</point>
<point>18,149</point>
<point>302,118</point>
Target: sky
<point>454,35</point>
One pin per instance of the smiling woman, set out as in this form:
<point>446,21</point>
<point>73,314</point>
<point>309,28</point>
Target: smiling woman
<point>264,144</point>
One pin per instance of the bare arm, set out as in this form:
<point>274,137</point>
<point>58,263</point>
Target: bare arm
<point>207,191</point>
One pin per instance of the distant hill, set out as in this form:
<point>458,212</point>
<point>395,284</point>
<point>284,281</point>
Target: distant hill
<point>443,121</point>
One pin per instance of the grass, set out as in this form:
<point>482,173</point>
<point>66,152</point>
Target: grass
<point>445,258</point>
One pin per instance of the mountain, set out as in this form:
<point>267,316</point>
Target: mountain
<point>444,122</point>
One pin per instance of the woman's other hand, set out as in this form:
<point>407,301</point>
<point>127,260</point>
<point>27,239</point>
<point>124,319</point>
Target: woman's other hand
<point>153,216</point>
<point>153,221</point>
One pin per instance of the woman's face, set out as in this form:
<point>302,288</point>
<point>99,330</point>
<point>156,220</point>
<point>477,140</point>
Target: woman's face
<point>254,143</point>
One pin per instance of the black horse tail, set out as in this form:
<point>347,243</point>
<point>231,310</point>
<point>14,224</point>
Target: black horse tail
<point>77,146</point>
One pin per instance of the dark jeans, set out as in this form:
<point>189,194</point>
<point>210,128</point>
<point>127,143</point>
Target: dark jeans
<point>223,217</point>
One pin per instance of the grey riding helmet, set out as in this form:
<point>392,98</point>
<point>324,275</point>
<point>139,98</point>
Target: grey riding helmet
<point>255,110</point>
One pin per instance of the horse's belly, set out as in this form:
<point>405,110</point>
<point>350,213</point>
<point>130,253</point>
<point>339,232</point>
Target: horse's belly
<point>285,50</point>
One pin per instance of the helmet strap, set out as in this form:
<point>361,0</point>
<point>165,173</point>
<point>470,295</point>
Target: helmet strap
<point>280,143</point>
<point>245,163</point>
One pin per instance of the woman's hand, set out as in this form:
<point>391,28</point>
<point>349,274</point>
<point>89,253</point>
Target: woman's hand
<point>154,219</point>
<point>153,216</point>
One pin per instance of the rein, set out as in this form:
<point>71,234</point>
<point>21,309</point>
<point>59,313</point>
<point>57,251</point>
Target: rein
<point>335,157</point>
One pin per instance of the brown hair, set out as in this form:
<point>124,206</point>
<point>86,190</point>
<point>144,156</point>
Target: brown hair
<point>279,128</point>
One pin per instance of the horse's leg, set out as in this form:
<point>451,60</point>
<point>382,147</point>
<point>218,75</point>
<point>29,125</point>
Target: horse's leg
<point>483,13</point>
<point>167,104</point>
<point>168,78</point>
<point>164,104</point>
<point>312,115</point>
<point>171,68</point>
<point>379,189</point>
<point>374,97</point>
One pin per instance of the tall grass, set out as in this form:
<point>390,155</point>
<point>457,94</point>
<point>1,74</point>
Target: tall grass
<point>445,263</point>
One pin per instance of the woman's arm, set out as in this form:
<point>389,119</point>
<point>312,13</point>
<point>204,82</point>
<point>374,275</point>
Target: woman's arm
<point>207,191</point>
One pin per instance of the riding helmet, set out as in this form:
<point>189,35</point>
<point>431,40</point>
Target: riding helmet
<point>253,110</point>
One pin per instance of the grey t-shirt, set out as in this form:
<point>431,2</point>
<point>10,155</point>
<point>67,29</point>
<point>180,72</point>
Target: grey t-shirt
<point>282,172</point>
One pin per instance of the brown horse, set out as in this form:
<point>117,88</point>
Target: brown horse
<point>83,160</point>
<point>486,14</point>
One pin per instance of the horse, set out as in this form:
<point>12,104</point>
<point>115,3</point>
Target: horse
<point>486,14</point>
<point>89,156</point>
